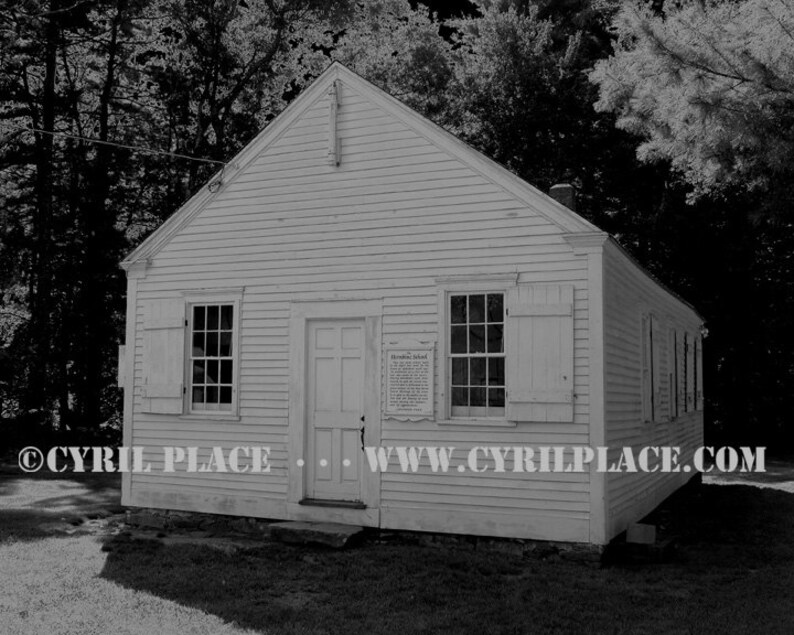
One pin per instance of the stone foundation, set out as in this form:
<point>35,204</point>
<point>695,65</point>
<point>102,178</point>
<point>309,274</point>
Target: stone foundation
<point>167,520</point>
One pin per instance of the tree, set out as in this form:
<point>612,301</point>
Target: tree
<point>521,95</point>
<point>709,86</point>
<point>224,68</point>
<point>64,70</point>
<point>510,89</point>
<point>202,78</point>
<point>399,49</point>
<point>199,78</point>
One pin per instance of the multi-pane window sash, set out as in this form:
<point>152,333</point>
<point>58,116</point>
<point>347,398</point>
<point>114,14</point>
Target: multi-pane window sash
<point>477,354</point>
<point>212,357</point>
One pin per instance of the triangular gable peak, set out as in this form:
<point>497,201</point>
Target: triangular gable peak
<point>535,200</point>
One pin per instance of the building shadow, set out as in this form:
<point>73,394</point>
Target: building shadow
<point>725,532</point>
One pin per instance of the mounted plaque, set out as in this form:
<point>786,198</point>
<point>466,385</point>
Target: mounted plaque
<point>409,380</point>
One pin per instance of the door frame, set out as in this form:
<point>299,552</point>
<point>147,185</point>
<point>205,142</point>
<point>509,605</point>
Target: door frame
<point>301,313</point>
<point>310,470</point>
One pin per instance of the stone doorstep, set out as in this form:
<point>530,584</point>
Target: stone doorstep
<point>332,535</point>
<point>292,532</point>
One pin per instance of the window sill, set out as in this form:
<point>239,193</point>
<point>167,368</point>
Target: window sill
<point>209,416</point>
<point>474,422</point>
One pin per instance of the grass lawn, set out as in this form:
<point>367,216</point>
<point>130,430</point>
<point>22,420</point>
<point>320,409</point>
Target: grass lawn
<point>734,573</point>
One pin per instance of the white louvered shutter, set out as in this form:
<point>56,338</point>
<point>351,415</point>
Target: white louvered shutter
<point>540,353</point>
<point>163,356</point>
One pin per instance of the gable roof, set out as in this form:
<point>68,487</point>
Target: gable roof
<point>539,202</point>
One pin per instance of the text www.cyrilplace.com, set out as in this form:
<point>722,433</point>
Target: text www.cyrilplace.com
<point>576,459</point>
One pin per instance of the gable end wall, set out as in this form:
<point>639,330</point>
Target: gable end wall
<point>397,214</point>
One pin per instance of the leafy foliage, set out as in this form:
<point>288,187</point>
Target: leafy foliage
<point>196,78</point>
<point>400,50</point>
<point>709,86</point>
<point>706,85</point>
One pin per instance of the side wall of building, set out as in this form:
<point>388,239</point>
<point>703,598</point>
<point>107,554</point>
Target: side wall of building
<point>634,304</point>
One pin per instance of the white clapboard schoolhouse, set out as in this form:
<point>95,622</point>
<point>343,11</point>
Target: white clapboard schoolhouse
<point>362,277</point>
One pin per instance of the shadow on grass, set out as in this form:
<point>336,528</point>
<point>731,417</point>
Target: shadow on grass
<point>735,573</point>
<point>10,475</point>
<point>12,479</point>
<point>27,525</point>
<point>756,524</point>
<point>37,506</point>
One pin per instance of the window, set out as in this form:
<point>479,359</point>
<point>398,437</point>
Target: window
<point>650,370</point>
<point>695,372</point>
<point>687,394</point>
<point>690,370</point>
<point>507,351</point>
<point>212,357</point>
<point>477,354</point>
<point>699,374</point>
<point>672,361</point>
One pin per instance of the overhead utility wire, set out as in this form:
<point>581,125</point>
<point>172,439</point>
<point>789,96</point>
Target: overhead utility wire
<point>116,145</point>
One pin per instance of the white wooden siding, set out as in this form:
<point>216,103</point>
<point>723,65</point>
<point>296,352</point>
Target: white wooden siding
<point>396,214</point>
<point>629,293</point>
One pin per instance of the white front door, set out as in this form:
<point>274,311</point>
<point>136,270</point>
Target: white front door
<point>335,409</point>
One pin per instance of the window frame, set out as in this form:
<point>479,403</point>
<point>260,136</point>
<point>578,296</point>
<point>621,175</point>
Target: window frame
<point>654,408</point>
<point>209,298</point>
<point>485,355</point>
<point>646,371</point>
<point>697,367</point>
<point>685,379</point>
<point>672,374</point>
<point>469,285</point>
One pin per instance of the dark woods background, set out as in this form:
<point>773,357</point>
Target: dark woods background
<point>679,142</point>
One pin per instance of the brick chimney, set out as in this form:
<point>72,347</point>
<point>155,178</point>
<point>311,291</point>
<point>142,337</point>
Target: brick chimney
<point>564,193</point>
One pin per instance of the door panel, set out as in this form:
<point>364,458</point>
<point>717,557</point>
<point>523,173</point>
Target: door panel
<point>334,409</point>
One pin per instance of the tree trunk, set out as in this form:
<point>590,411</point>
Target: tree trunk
<point>100,277</point>
<point>39,387</point>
